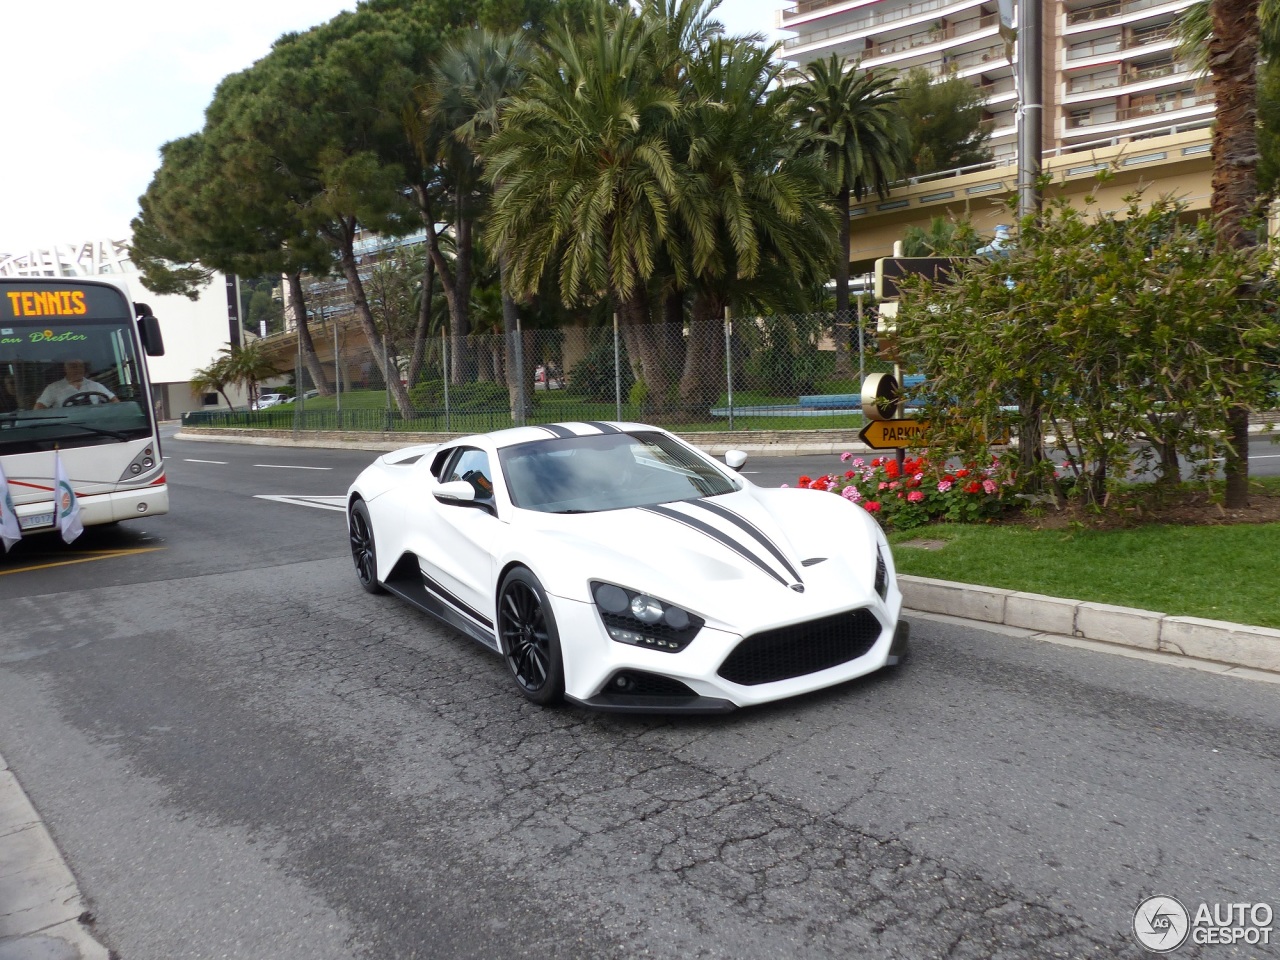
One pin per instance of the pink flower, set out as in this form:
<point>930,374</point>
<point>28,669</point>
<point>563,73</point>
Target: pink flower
<point>893,484</point>
<point>918,477</point>
<point>786,484</point>
<point>883,486</point>
<point>846,457</point>
<point>989,486</point>
<point>859,463</point>
<point>915,496</point>
<point>944,486</point>
<point>851,493</point>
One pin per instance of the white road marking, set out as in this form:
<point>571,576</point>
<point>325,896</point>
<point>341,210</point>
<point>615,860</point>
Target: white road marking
<point>221,463</point>
<point>320,503</point>
<point>288,466</point>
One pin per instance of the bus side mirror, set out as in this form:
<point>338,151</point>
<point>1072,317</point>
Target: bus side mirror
<point>152,339</point>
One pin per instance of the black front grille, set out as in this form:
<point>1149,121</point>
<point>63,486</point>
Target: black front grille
<point>802,648</point>
<point>637,683</point>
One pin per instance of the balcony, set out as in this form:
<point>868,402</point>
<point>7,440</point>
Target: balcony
<point>1110,10</point>
<point>1147,107</point>
<point>937,35</point>
<point>1116,81</point>
<point>1116,44</point>
<point>873,21</point>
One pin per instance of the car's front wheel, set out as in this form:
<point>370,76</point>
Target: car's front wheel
<point>364,551</point>
<point>530,641</point>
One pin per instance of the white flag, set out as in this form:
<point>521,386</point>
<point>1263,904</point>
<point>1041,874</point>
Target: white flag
<point>66,508</point>
<point>10,529</point>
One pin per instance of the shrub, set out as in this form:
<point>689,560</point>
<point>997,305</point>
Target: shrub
<point>592,377</point>
<point>920,491</point>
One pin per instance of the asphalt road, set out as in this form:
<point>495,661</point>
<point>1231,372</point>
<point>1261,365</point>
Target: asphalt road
<point>243,755</point>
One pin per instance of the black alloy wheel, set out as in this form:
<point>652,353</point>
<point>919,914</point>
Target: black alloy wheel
<point>363,550</point>
<point>530,642</point>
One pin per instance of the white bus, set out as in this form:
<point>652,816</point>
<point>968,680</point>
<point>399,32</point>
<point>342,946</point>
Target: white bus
<point>73,379</point>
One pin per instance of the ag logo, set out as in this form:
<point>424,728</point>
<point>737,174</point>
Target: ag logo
<point>1161,924</point>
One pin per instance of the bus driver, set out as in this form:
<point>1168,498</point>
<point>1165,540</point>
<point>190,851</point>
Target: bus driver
<point>74,383</point>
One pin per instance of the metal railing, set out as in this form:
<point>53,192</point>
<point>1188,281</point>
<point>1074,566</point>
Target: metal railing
<point>779,372</point>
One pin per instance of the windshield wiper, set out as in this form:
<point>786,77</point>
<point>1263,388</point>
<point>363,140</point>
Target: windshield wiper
<point>98,430</point>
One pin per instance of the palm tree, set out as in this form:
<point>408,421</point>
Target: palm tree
<point>748,199</point>
<point>246,366</point>
<point>849,118</point>
<point>584,176</point>
<point>473,81</point>
<point>214,377</point>
<point>1229,38</point>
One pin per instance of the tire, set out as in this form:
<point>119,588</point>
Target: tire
<point>364,552</point>
<point>529,638</point>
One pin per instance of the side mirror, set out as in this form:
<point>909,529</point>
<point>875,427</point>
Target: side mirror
<point>149,329</point>
<point>458,491</point>
<point>735,459</point>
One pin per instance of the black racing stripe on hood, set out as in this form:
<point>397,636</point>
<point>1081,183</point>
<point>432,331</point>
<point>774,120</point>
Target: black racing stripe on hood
<point>744,524</point>
<point>602,427</point>
<point>718,536</point>
<point>556,430</point>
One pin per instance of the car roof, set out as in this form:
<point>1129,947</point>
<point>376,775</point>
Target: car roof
<point>552,431</point>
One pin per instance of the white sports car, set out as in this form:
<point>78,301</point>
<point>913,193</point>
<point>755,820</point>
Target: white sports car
<point>614,565</point>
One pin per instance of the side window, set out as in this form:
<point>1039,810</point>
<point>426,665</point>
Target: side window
<point>473,466</point>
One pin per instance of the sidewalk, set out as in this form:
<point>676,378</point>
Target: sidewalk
<point>41,912</point>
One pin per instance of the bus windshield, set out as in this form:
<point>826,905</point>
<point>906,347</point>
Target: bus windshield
<point>71,382</point>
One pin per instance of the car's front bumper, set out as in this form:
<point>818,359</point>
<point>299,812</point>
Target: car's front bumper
<point>604,674</point>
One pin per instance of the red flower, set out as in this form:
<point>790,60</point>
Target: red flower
<point>962,473</point>
<point>973,486</point>
<point>871,506</point>
<point>913,482</point>
<point>848,474</point>
<point>891,469</point>
<point>805,481</point>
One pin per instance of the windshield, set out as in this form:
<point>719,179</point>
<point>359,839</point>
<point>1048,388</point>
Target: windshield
<point>607,472</point>
<point>70,382</point>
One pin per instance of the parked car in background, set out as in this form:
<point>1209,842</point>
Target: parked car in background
<point>267,400</point>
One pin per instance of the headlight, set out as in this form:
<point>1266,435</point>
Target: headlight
<point>644,621</point>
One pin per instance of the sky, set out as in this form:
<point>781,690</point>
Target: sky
<point>93,89</point>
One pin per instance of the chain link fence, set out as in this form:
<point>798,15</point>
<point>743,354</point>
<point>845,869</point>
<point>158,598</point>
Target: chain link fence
<point>776,372</point>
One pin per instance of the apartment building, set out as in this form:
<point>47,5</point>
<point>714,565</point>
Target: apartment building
<point>1109,69</point>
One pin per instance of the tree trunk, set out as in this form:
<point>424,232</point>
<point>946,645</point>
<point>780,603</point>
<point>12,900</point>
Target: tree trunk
<point>1236,468</point>
<point>646,349</point>
<point>422,329</point>
<point>309,359</point>
<point>455,281</point>
<point>1233,62</point>
<point>519,377</point>
<point>355,286</point>
<point>703,376</point>
<point>842,255</point>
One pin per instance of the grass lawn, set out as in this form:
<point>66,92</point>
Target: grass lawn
<point>1221,572</point>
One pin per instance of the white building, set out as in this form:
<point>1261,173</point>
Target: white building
<point>194,330</point>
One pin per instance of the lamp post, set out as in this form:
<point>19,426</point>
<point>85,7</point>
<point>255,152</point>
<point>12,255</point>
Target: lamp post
<point>1029,86</point>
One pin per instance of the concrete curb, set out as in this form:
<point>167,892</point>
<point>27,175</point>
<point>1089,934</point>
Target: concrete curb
<point>1231,644</point>
<point>41,910</point>
<point>778,443</point>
